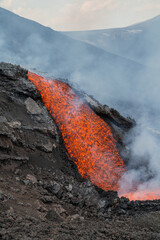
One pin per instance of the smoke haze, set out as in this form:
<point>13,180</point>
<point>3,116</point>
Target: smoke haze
<point>131,86</point>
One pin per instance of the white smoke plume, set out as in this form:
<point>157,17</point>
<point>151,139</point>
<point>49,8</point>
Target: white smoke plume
<point>130,87</point>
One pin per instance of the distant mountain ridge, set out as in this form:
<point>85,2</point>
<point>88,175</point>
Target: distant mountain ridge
<point>108,77</point>
<point>30,44</point>
<point>19,35</point>
<point>139,42</point>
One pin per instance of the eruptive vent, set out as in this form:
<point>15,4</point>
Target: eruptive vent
<point>87,138</point>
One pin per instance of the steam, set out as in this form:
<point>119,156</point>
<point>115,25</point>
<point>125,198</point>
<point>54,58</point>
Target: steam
<point>143,172</point>
<point>130,87</point>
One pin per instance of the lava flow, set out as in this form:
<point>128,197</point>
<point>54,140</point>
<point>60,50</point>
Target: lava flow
<point>142,195</point>
<point>87,138</point>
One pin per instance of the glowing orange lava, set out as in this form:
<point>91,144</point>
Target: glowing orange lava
<point>143,195</point>
<point>87,138</point>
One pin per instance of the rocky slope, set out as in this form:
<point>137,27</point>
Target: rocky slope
<point>42,196</point>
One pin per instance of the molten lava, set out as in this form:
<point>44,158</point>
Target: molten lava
<point>87,138</point>
<point>143,195</point>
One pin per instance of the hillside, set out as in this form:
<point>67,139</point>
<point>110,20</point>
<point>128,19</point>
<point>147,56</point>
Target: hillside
<point>122,83</point>
<point>30,44</point>
<point>139,42</point>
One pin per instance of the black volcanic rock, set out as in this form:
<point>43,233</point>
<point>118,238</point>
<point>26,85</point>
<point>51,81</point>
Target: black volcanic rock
<point>24,127</point>
<point>53,216</point>
<point>42,196</point>
<point>27,129</point>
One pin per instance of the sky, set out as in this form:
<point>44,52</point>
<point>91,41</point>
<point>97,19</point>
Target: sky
<point>69,15</point>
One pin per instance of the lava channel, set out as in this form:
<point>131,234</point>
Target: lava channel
<point>87,138</point>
